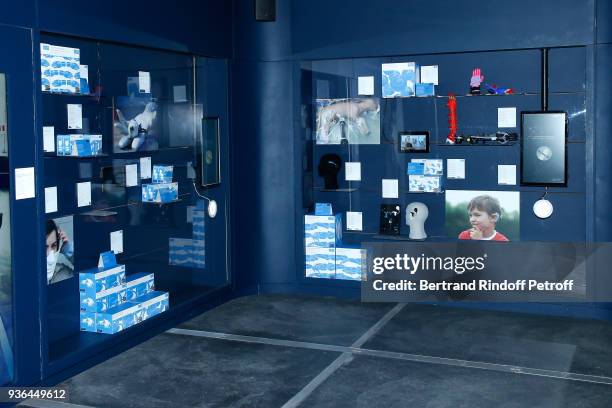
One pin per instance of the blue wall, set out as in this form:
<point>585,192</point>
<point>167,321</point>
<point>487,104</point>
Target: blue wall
<point>267,54</point>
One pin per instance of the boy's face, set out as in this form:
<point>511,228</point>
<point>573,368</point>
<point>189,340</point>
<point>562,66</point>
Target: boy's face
<point>482,220</point>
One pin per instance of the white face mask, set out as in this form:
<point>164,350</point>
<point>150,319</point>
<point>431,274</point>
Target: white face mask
<point>51,262</point>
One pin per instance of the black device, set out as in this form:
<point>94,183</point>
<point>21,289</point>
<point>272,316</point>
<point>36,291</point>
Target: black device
<point>265,10</point>
<point>390,219</point>
<point>544,148</point>
<point>329,167</point>
<point>497,138</point>
<point>414,142</point>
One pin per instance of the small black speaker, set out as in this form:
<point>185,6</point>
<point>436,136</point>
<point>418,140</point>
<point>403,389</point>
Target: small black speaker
<point>265,10</point>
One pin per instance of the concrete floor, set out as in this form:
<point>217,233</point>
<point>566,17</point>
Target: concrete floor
<point>289,351</point>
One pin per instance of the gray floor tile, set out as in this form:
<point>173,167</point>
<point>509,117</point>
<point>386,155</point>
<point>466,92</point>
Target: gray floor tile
<point>544,342</point>
<point>314,319</point>
<point>184,371</point>
<point>368,382</point>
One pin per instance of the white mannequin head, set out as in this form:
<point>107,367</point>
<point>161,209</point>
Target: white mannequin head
<point>416,215</point>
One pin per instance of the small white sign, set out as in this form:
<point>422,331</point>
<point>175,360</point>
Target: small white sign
<point>353,171</point>
<point>354,221</point>
<point>116,241</point>
<point>190,209</point>
<point>84,194</point>
<point>145,168</point>
<point>25,186</point>
<point>75,116</point>
<point>144,82</point>
<point>506,117</point>
<point>390,188</point>
<point>50,199</point>
<point>506,174</point>
<point>455,169</point>
<point>365,85</point>
<point>131,175</point>
<point>49,139</point>
<point>429,74</point>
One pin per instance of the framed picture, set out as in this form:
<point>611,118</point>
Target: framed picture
<point>414,142</point>
<point>544,148</point>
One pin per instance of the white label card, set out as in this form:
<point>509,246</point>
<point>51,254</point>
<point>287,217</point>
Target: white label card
<point>365,85</point>
<point>49,139</point>
<point>25,183</point>
<point>506,117</point>
<point>180,93</point>
<point>131,175</point>
<point>390,188</point>
<point>145,168</point>
<point>353,171</point>
<point>429,74</point>
<point>84,194</point>
<point>144,82</point>
<point>354,221</point>
<point>116,241</point>
<point>506,174</point>
<point>455,169</point>
<point>50,199</point>
<point>75,116</point>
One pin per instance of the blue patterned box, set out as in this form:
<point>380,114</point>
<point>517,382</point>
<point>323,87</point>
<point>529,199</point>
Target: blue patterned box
<point>151,305</point>
<point>60,68</point>
<point>399,79</point>
<point>320,262</point>
<point>116,319</point>
<point>162,174</point>
<point>424,90</point>
<point>88,321</point>
<point>96,280</point>
<point>139,284</point>
<point>198,224</point>
<point>180,252</point>
<point>323,231</point>
<point>198,253</point>
<point>159,193</point>
<point>349,262</point>
<point>103,300</point>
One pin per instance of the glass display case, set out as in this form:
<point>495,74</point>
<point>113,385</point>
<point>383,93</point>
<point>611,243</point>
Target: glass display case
<point>6,274</point>
<point>121,126</point>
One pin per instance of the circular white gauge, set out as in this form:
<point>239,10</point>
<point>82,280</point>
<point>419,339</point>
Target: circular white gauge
<point>544,153</point>
<point>543,208</point>
<point>212,208</point>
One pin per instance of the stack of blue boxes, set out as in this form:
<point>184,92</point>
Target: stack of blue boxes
<point>190,252</point>
<point>162,189</point>
<point>326,256</point>
<point>110,302</point>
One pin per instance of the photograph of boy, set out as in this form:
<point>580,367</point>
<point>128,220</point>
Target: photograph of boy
<point>483,215</point>
<point>484,212</point>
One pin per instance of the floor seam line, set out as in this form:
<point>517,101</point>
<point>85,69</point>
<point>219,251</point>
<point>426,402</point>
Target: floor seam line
<point>395,355</point>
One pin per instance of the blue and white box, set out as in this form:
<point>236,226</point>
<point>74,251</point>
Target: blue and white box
<point>103,300</point>
<point>63,145</point>
<point>323,231</point>
<point>151,305</point>
<point>160,193</point>
<point>198,220</point>
<point>95,142</point>
<point>79,145</point>
<point>349,263</point>
<point>198,253</point>
<point>139,284</point>
<point>96,280</point>
<point>180,252</point>
<point>116,319</point>
<point>320,262</point>
<point>88,321</point>
<point>60,68</point>
<point>424,90</point>
<point>399,79</point>
<point>323,209</point>
<point>162,174</point>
